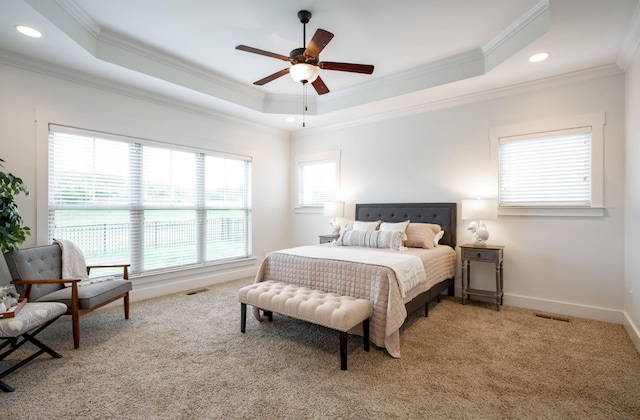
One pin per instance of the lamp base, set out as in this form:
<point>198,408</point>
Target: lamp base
<point>335,226</point>
<point>481,237</point>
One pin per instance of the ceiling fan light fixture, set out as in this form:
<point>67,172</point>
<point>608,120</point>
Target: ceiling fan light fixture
<point>304,73</point>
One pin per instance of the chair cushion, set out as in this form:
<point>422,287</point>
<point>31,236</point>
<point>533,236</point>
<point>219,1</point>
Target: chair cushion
<point>31,316</point>
<point>91,294</point>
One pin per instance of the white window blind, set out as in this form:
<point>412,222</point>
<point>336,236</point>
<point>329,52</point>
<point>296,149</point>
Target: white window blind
<point>546,169</point>
<point>317,182</point>
<point>153,206</point>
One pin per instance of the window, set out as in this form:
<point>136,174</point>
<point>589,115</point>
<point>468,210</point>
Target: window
<point>550,165</point>
<point>148,204</point>
<point>546,169</point>
<point>317,180</point>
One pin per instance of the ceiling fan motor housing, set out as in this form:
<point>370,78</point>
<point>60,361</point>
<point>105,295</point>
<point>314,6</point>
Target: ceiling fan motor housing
<point>297,56</point>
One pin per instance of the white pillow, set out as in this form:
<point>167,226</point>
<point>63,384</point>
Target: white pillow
<point>393,227</point>
<point>439,236</point>
<point>366,226</point>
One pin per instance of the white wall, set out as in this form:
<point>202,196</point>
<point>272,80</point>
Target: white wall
<point>569,265</point>
<point>632,200</point>
<point>26,96</point>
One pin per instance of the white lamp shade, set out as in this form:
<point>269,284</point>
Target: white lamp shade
<point>334,209</point>
<point>480,209</point>
<point>304,72</point>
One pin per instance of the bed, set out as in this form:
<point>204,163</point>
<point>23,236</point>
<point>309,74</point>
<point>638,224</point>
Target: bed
<point>320,267</point>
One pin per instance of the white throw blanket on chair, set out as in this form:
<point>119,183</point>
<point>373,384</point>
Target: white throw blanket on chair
<point>73,263</point>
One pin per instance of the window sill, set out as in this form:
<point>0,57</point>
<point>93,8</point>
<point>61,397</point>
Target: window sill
<point>552,211</point>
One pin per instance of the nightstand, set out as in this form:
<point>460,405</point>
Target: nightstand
<point>327,238</point>
<point>488,254</point>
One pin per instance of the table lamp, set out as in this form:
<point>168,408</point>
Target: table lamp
<point>334,209</point>
<point>478,210</point>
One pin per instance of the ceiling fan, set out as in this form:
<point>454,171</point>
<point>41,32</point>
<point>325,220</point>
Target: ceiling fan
<point>306,61</point>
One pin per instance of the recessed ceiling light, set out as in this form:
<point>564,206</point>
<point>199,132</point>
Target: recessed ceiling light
<point>538,57</point>
<point>28,31</point>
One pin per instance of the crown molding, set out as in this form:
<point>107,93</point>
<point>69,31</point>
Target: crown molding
<point>632,41</point>
<point>471,98</point>
<point>78,14</point>
<point>116,49</point>
<point>73,76</point>
<point>540,9</point>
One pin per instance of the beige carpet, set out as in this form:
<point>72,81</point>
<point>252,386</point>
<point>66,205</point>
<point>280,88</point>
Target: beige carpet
<point>183,357</point>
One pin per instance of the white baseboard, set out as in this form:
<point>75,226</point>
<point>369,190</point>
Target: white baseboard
<point>632,330</point>
<point>150,290</point>
<point>566,308</point>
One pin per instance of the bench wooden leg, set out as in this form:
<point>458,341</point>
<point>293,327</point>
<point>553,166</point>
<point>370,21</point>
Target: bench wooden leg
<point>243,317</point>
<point>343,350</point>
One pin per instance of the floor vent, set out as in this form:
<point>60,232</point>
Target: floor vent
<point>193,292</point>
<point>554,317</point>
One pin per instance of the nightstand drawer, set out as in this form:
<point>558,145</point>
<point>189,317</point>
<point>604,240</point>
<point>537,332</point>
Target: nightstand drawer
<point>480,255</point>
<point>327,238</point>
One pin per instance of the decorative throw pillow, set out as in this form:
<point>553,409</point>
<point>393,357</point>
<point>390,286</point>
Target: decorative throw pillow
<point>421,235</point>
<point>439,236</point>
<point>345,224</point>
<point>371,239</point>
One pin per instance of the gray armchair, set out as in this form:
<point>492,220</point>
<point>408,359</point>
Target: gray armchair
<point>37,275</point>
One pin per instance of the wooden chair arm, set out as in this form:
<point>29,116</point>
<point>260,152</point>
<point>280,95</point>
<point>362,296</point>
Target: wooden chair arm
<point>52,281</point>
<point>125,268</point>
<point>108,266</point>
<point>74,288</point>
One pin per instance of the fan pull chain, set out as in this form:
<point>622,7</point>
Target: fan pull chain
<point>304,103</point>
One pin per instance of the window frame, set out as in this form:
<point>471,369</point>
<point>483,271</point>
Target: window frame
<point>596,121</point>
<point>319,158</point>
<point>200,207</point>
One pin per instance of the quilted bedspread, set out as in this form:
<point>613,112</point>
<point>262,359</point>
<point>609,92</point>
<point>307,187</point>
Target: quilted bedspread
<point>374,282</point>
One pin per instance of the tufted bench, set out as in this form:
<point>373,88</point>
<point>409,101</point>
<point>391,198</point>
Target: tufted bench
<point>330,310</point>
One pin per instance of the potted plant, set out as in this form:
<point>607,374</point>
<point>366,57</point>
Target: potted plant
<point>12,233</point>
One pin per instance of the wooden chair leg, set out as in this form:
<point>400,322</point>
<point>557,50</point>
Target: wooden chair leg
<point>126,306</point>
<point>75,321</point>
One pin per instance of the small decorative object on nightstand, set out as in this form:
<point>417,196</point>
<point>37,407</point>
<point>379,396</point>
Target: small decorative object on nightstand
<point>334,209</point>
<point>328,238</point>
<point>486,253</point>
<point>478,210</point>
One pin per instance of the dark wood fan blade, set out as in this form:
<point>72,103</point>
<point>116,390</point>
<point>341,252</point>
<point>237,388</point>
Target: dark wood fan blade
<point>272,77</point>
<point>320,40</point>
<point>350,67</point>
<point>262,52</point>
<point>319,86</point>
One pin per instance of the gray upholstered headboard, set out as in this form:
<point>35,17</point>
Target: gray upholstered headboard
<point>443,214</point>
